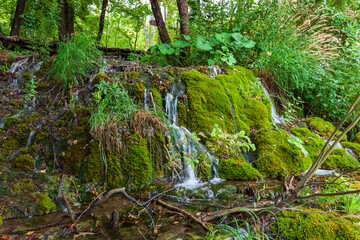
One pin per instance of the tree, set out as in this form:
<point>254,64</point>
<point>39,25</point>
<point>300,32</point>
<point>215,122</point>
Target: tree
<point>102,20</point>
<point>184,16</point>
<point>67,15</point>
<point>16,23</point>
<point>163,33</point>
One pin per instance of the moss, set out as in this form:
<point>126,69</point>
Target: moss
<point>14,103</point>
<point>131,75</point>
<point>9,146</point>
<point>355,147</point>
<point>157,153</point>
<point>40,137</point>
<point>295,225</point>
<point>322,127</point>
<point>312,142</point>
<point>114,173</point>
<point>357,138</point>
<point>43,203</point>
<point>92,168</point>
<point>41,86</point>
<point>340,160</point>
<point>138,91</point>
<point>1,220</point>
<point>212,101</point>
<point>275,156</point>
<point>25,185</point>
<point>157,97</point>
<point>24,162</point>
<point>204,167</point>
<point>10,121</point>
<point>101,77</point>
<point>237,168</point>
<point>138,164</point>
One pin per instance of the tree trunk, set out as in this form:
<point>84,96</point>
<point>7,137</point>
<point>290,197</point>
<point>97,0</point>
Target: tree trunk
<point>102,20</point>
<point>184,16</point>
<point>16,24</point>
<point>67,15</point>
<point>163,33</point>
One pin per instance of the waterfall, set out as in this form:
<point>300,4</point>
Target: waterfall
<point>185,144</point>
<point>28,141</point>
<point>277,118</point>
<point>146,99</point>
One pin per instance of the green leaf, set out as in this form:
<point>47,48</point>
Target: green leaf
<point>249,44</point>
<point>238,37</point>
<point>202,43</point>
<point>187,38</point>
<point>166,49</point>
<point>180,44</point>
<point>223,37</point>
<point>211,61</point>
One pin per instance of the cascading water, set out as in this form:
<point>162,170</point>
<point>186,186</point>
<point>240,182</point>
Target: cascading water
<point>146,99</point>
<point>185,144</point>
<point>277,118</point>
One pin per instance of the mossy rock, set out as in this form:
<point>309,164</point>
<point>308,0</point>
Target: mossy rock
<point>92,168</point>
<point>10,121</point>
<point>43,203</point>
<point>157,153</point>
<point>236,168</point>
<point>203,168</point>
<point>295,225</point>
<point>355,147</point>
<point>101,77</point>
<point>24,162</point>
<point>212,101</point>
<point>25,185</point>
<point>157,97</point>
<point>276,156</point>
<point>1,220</point>
<point>138,91</point>
<point>340,160</point>
<point>9,146</point>
<point>312,142</point>
<point>115,177</point>
<point>138,165</point>
<point>323,128</point>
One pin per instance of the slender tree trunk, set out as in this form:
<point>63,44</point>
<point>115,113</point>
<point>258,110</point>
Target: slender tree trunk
<point>102,20</point>
<point>184,16</point>
<point>163,33</point>
<point>67,15</point>
<point>16,23</point>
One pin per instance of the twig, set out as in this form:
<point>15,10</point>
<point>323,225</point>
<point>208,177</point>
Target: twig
<point>221,213</point>
<point>69,211</point>
<point>170,207</point>
<point>159,195</point>
<point>91,205</point>
<point>84,234</point>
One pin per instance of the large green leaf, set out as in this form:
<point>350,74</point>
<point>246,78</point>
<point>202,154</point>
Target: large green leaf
<point>202,43</point>
<point>223,37</point>
<point>180,44</point>
<point>249,44</point>
<point>166,49</point>
<point>238,37</point>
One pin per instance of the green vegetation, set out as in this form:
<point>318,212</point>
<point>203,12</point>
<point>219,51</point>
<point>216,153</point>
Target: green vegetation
<point>237,168</point>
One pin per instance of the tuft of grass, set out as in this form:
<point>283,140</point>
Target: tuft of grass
<point>74,59</point>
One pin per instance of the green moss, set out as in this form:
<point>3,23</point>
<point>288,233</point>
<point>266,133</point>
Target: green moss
<point>295,225</point>
<point>275,156</point>
<point>157,97</point>
<point>92,168</point>
<point>237,168</point>
<point>322,127</point>
<point>14,103</point>
<point>24,162</point>
<point>138,164</point>
<point>212,101</point>
<point>204,167</point>
<point>1,220</point>
<point>355,147</point>
<point>101,77</point>
<point>25,185</point>
<point>131,75</point>
<point>138,91</point>
<point>357,138</point>
<point>10,121</point>
<point>40,137</point>
<point>43,203</point>
<point>340,160</point>
<point>114,173</point>
<point>9,146</point>
<point>312,142</point>
<point>157,153</point>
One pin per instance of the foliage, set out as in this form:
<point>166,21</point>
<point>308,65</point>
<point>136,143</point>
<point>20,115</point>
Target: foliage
<point>298,143</point>
<point>227,144</point>
<point>30,91</point>
<point>74,59</point>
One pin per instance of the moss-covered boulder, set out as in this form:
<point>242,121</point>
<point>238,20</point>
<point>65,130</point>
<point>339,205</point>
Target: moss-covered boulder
<point>138,165</point>
<point>203,168</point>
<point>222,100</point>
<point>296,225</point>
<point>312,142</point>
<point>339,159</point>
<point>276,156</point>
<point>355,147</point>
<point>24,162</point>
<point>43,203</point>
<point>321,127</point>
<point>101,77</point>
<point>138,91</point>
<point>236,168</point>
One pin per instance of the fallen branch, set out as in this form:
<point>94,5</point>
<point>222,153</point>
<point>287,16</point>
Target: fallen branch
<point>69,211</point>
<point>222,213</point>
<point>171,207</point>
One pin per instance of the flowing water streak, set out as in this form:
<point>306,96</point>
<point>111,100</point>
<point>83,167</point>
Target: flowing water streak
<point>146,99</point>
<point>28,141</point>
<point>274,113</point>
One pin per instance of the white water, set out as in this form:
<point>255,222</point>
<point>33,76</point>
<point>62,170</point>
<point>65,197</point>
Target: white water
<point>277,118</point>
<point>28,141</point>
<point>146,99</point>
<point>186,145</point>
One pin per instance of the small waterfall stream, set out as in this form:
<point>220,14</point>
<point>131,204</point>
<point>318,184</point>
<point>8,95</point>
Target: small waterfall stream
<point>277,118</point>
